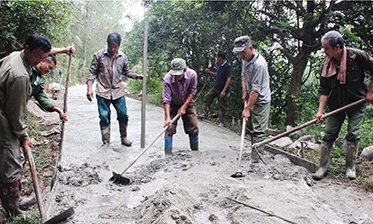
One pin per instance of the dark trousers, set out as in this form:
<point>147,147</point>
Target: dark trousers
<point>190,121</point>
<point>104,111</point>
<point>211,95</point>
<point>334,123</point>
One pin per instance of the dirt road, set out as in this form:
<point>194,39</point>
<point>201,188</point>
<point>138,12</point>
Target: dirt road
<point>188,187</point>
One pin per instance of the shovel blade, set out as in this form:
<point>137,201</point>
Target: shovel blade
<point>119,179</point>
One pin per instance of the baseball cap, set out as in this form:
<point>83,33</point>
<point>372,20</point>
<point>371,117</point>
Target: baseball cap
<point>240,43</point>
<point>177,66</point>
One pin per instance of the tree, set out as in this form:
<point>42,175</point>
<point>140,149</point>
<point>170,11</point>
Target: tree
<point>194,31</point>
<point>94,20</point>
<point>298,26</point>
<point>287,33</point>
<point>20,19</point>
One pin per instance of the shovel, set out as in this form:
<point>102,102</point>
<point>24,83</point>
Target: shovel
<point>119,178</point>
<point>255,145</point>
<point>56,219</point>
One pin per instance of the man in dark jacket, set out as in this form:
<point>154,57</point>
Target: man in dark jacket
<point>341,83</point>
<point>221,87</point>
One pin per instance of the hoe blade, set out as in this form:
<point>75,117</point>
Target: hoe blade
<point>237,174</point>
<point>61,217</point>
<point>119,179</point>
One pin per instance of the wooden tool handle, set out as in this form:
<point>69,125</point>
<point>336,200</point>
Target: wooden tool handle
<point>34,176</point>
<point>348,106</point>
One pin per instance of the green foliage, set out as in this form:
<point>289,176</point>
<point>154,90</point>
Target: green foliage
<point>210,26</point>
<point>31,218</point>
<point>20,19</point>
<point>34,128</point>
<point>196,37</point>
<point>154,86</point>
<point>366,130</point>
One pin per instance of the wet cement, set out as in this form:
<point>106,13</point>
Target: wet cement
<point>188,187</point>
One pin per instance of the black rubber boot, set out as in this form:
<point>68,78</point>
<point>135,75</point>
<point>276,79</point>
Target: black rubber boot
<point>9,194</point>
<point>206,110</point>
<point>123,134</point>
<point>105,134</point>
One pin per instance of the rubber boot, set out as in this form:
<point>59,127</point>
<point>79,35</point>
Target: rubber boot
<point>260,149</point>
<point>105,134</point>
<point>25,203</point>
<point>206,110</point>
<point>9,194</point>
<point>193,142</point>
<point>326,148</point>
<point>351,153</point>
<point>168,145</point>
<point>222,118</point>
<point>123,134</point>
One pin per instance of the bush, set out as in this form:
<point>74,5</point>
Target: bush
<point>154,87</point>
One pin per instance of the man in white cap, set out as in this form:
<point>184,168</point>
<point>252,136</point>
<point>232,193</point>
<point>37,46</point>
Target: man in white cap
<point>179,89</point>
<point>255,91</point>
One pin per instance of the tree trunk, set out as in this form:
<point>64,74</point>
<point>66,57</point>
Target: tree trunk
<point>292,98</point>
<point>85,36</point>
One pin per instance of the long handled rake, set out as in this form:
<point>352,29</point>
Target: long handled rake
<point>334,112</point>
<point>255,145</point>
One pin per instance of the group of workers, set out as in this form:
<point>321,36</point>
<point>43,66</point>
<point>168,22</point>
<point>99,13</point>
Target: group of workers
<point>341,83</point>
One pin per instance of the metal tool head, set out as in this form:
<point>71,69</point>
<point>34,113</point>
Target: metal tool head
<point>61,217</point>
<point>119,179</point>
<point>237,174</point>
